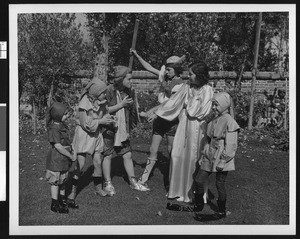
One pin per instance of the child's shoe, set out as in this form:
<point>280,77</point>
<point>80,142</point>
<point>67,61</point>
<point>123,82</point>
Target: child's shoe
<point>134,184</point>
<point>145,185</point>
<point>58,208</point>
<point>109,188</point>
<point>71,203</point>
<point>100,191</point>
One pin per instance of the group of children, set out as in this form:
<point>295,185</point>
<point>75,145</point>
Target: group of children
<point>201,136</point>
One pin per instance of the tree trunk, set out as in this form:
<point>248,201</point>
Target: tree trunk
<point>101,61</point>
<point>254,71</point>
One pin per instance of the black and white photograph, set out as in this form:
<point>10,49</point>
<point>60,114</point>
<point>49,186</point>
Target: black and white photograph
<point>147,119</point>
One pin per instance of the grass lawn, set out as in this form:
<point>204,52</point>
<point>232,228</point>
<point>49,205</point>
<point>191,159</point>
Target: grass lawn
<point>258,191</point>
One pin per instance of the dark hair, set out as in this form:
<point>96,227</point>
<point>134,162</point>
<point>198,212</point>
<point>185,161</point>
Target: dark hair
<point>200,69</point>
<point>118,83</point>
<point>177,69</point>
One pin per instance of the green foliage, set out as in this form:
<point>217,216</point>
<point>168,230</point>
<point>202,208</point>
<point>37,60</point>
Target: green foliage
<point>223,40</point>
<point>146,102</point>
<point>49,47</point>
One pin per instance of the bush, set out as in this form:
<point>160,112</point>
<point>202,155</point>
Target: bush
<point>147,101</point>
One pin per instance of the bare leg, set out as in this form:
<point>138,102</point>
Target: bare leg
<point>97,165</point>
<point>106,166</point>
<point>108,188</point>
<point>81,162</point>
<point>128,165</point>
<point>170,140</point>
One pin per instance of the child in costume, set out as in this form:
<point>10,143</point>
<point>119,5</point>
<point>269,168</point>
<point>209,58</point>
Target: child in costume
<point>218,155</point>
<point>169,76</point>
<point>122,104</point>
<point>191,104</point>
<point>59,156</point>
<point>91,116</point>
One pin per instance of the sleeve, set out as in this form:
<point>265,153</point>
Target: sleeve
<point>87,122</point>
<point>199,106</point>
<point>230,146</point>
<point>54,136</point>
<point>171,108</point>
<point>161,97</point>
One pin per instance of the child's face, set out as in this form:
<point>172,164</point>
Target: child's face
<point>101,99</point>
<point>216,106</point>
<point>170,72</point>
<point>127,81</point>
<point>193,78</point>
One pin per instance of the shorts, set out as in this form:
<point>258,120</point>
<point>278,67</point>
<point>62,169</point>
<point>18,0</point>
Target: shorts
<point>164,127</point>
<point>109,148</point>
<point>56,178</point>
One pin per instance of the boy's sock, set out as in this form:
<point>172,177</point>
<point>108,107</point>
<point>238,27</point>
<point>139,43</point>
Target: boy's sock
<point>72,195</point>
<point>147,170</point>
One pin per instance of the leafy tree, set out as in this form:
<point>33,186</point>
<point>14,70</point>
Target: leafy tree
<point>49,47</point>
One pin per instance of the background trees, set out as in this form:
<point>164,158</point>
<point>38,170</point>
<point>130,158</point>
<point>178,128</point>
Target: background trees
<point>51,47</point>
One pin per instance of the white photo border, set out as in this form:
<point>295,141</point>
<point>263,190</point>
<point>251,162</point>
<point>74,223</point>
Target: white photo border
<point>15,229</point>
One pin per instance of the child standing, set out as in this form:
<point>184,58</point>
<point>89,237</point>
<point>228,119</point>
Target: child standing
<point>218,154</point>
<point>170,79</point>
<point>91,114</point>
<point>59,155</point>
<point>191,104</point>
<point>121,103</point>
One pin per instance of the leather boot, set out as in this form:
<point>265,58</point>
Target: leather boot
<point>57,207</point>
<point>71,203</point>
<point>222,209</point>
<point>199,202</point>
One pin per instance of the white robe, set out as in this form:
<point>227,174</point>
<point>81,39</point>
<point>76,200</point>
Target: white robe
<point>190,106</point>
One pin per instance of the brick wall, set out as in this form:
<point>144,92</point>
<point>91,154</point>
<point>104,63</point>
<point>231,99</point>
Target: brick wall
<point>144,81</point>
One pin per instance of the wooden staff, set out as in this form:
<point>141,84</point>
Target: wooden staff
<point>136,26</point>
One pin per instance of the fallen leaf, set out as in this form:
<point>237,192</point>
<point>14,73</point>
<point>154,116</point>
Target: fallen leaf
<point>137,198</point>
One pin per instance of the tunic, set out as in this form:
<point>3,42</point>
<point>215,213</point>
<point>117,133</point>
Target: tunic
<point>222,144</point>
<point>58,133</point>
<point>191,106</point>
<point>88,138</point>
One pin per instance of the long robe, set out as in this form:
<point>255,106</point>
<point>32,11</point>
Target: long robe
<point>190,106</point>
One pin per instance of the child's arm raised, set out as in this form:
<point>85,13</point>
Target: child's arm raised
<point>145,64</point>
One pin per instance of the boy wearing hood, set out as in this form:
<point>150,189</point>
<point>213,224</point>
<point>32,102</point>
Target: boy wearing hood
<point>218,155</point>
<point>59,156</point>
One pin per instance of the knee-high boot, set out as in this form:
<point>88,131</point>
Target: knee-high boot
<point>222,208</point>
<point>199,202</point>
